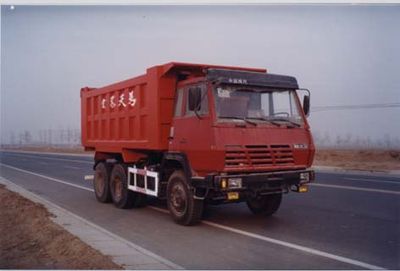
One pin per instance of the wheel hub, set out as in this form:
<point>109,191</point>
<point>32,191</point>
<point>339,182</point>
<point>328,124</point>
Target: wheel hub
<point>99,183</point>
<point>178,199</point>
<point>117,185</point>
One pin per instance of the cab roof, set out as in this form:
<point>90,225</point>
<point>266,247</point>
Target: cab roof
<point>180,67</point>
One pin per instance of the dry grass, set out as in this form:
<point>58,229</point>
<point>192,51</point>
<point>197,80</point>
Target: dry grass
<point>30,240</point>
<point>370,160</point>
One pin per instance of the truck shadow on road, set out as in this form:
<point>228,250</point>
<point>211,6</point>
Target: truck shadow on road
<point>235,214</point>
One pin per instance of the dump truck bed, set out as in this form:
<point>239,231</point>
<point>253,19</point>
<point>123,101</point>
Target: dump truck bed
<point>135,114</point>
<point>127,114</point>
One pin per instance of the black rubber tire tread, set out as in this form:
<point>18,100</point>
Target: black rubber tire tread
<point>104,169</point>
<point>128,197</point>
<point>265,205</point>
<point>194,208</point>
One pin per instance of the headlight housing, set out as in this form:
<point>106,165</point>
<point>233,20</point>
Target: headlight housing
<point>235,182</point>
<point>305,177</point>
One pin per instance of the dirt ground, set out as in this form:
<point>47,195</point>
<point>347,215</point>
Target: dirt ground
<point>369,160</point>
<point>30,240</point>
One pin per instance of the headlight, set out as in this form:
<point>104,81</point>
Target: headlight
<point>235,182</point>
<point>304,177</point>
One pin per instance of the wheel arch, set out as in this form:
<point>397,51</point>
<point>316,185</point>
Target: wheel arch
<point>175,160</point>
<point>104,156</point>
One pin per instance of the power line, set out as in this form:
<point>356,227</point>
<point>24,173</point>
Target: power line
<point>351,107</point>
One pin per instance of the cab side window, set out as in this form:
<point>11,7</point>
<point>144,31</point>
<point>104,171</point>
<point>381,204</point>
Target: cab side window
<point>178,103</point>
<point>202,108</point>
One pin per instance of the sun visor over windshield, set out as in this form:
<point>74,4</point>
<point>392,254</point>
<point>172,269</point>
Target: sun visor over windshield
<point>252,78</point>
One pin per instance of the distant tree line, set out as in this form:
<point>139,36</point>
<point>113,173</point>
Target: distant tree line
<point>348,140</point>
<point>45,137</point>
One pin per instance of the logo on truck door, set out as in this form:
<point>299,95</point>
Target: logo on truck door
<point>121,101</point>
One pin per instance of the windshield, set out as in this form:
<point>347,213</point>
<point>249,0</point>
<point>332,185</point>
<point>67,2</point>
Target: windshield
<point>258,104</point>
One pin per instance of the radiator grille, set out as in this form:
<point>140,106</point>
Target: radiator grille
<point>258,155</point>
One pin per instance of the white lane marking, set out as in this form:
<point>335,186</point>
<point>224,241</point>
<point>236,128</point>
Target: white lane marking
<point>51,158</point>
<point>356,188</point>
<point>283,243</point>
<point>371,180</point>
<point>89,177</point>
<point>294,246</point>
<point>238,231</point>
<point>71,167</point>
<point>47,177</point>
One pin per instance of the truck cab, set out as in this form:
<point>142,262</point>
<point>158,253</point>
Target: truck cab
<point>245,134</point>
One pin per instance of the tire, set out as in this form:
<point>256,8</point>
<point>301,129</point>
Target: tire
<point>265,205</point>
<point>101,182</point>
<point>121,196</point>
<point>184,209</point>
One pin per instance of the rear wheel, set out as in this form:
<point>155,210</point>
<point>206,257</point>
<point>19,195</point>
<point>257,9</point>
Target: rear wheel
<point>121,196</point>
<point>184,209</point>
<point>265,205</point>
<point>101,182</point>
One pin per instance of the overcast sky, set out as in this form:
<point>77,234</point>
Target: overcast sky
<point>346,55</point>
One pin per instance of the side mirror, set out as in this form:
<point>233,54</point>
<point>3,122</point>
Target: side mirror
<point>194,99</point>
<point>306,105</point>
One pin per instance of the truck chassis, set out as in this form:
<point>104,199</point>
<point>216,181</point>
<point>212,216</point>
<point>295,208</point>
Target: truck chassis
<point>128,185</point>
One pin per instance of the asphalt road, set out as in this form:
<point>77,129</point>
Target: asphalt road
<point>345,221</point>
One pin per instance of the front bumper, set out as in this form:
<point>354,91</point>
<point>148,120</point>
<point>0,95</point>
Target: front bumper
<point>217,187</point>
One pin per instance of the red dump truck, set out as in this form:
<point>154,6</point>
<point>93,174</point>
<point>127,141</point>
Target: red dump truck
<point>196,134</point>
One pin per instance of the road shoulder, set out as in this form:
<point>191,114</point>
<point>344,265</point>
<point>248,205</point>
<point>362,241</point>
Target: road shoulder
<point>122,252</point>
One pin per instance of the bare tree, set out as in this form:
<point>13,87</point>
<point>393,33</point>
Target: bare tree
<point>27,137</point>
<point>387,141</point>
<point>347,140</point>
<point>397,142</point>
<point>77,137</point>
<point>339,140</point>
<point>327,139</point>
<point>69,136</point>
<point>49,137</point>
<point>369,142</point>
<point>20,138</point>
<point>12,138</point>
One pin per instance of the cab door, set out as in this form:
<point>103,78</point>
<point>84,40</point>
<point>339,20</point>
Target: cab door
<point>191,130</point>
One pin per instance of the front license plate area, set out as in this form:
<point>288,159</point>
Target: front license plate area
<point>233,195</point>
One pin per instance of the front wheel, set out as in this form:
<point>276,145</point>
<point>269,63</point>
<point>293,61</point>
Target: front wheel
<point>265,205</point>
<point>183,207</point>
